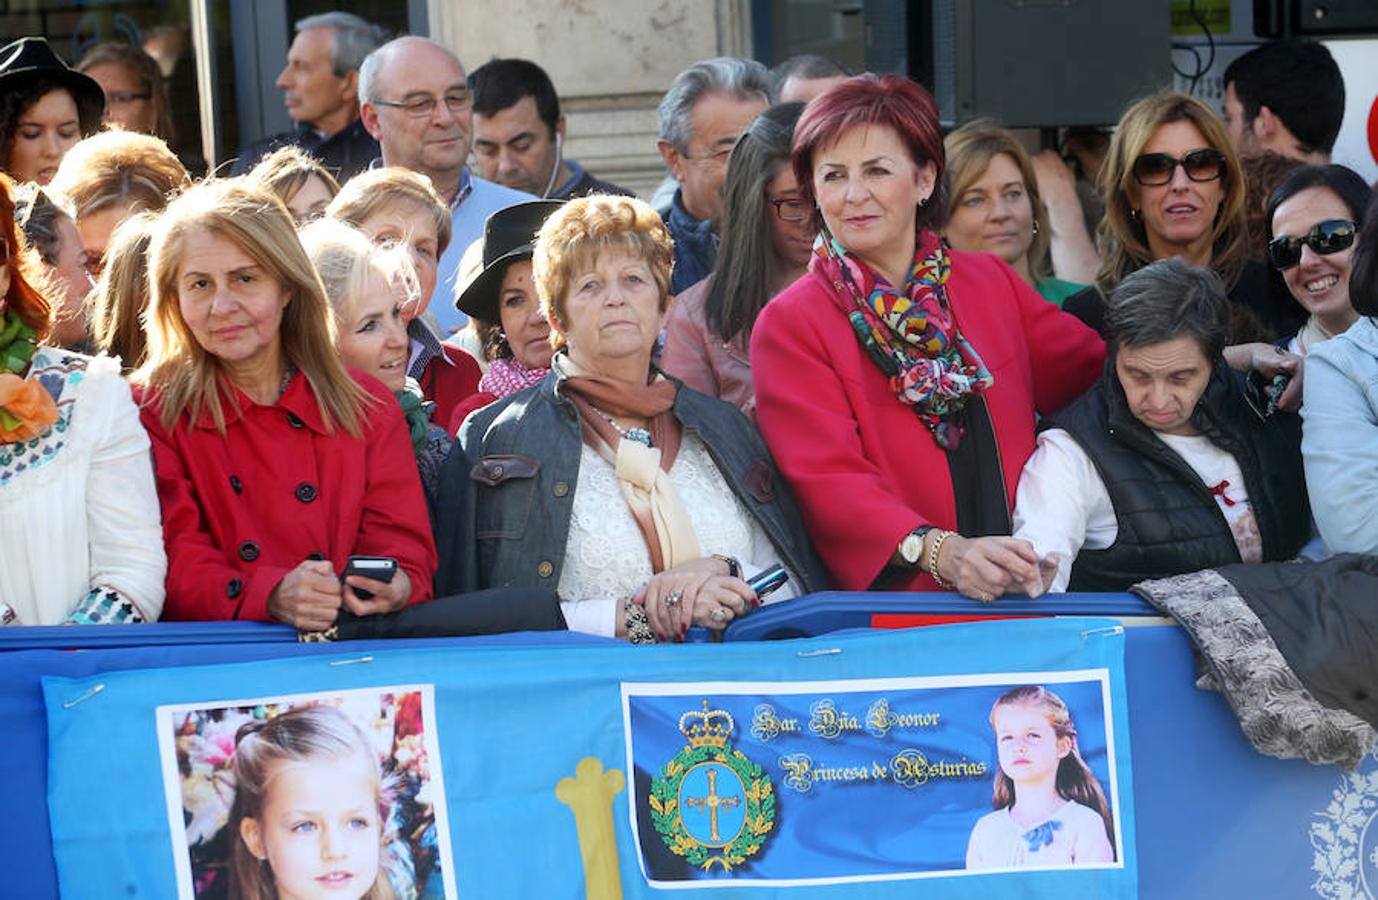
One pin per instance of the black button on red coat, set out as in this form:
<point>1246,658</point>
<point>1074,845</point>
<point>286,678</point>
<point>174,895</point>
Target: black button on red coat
<point>306,492</point>
<point>248,551</point>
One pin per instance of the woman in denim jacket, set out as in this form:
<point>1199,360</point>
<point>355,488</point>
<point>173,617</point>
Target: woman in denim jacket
<point>1340,414</point>
<point>641,502</point>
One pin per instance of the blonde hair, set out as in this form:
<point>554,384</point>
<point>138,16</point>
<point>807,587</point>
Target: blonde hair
<point>298,735</point>
<point>286,170</point>
<point>344,257</point>
<point>116,308</point>
<point>970,151</point>
<point>119,167</point>
<point>1121,238</point>
<point>376,189</point>
<point>572,238</point>
<point>178,370</point>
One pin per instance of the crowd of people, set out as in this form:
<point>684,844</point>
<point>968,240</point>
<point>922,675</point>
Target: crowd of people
<point>410,351</point>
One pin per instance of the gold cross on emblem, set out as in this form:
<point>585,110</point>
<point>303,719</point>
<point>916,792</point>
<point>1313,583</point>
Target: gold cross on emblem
<point>712,802</point>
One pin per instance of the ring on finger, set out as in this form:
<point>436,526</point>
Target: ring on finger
<point>719,615</point>
<point>672,599</point>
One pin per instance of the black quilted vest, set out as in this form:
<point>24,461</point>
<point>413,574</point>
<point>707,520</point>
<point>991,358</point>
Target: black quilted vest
<point>1167,519</point>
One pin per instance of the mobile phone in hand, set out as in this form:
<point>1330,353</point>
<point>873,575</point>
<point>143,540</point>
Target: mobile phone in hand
<point>379,568</point>
<point>768,581</point>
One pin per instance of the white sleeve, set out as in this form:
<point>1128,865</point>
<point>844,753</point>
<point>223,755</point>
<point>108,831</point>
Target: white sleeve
<point>1092,844</point>
<point>592,616</point>
<point>124,519</point>
<point>1062,505</point>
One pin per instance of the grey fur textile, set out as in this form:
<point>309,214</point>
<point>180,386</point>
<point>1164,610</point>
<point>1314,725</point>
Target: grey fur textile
<point>1279,715</point>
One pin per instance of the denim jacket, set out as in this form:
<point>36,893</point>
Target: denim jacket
<point>507,491</point>
<point>1340,437</point>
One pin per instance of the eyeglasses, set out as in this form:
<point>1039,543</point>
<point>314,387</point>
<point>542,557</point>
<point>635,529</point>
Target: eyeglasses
<point>1325,238</point>
<point>121,98</point>
<point>424,107</point>
<point>1154,169</point>
<point>790,209</point>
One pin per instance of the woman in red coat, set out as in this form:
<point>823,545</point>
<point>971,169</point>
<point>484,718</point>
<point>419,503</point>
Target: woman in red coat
<point>902,416</point>
<point>274,464</point>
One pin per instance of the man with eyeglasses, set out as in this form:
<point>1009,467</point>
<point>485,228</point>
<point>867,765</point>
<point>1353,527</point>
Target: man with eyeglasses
<point>417,103</point>
<point>706,109</point>
<point>320,87</point>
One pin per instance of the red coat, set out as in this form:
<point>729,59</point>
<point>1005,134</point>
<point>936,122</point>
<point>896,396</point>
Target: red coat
<point>242,509</point>
<point>865,469</point>
<point>447,383</point>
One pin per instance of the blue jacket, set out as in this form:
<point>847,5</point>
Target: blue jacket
<point>1340,438</point>
<point>507,490</point>
<point>696,245</point>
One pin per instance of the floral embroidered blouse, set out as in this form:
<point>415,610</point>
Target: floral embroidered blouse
<point>78,506</point>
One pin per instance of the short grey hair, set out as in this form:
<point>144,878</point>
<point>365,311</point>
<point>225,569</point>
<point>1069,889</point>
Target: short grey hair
<point>741,78</point>
<point>354,39</point>
<point>1169,299</point>
<point>368,69</point>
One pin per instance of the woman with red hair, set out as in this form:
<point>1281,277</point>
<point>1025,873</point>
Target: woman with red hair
<point>78,507</point>
<point>897,381</point>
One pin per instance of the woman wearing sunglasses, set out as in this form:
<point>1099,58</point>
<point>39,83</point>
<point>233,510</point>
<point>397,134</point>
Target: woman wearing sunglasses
<point>1340,415</point>
<point>1313,218</point>
<point>1173,187</point>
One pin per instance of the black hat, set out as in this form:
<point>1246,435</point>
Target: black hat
<point>508,235</point>
<point>30,59</point>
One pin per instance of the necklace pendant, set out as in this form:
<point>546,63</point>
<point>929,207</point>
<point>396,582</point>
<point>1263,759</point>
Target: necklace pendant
<point>640,435</point>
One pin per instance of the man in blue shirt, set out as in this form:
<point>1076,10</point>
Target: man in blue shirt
<point>416,102</point>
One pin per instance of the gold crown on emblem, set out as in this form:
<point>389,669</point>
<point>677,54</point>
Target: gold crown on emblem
<point>709,728</point>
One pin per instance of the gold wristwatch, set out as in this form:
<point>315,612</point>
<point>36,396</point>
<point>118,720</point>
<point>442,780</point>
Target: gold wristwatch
<point>911,547</point>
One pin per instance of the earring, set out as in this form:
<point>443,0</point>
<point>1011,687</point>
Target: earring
<point>1035,227</point>
<point>923,202</point>
<point>1134,215</point>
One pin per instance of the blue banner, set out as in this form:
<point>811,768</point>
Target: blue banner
<point>749,783</point>
<point>851,764</point>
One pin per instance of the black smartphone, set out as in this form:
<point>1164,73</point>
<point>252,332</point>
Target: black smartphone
<point>379,568</point>
<point>768,581</point>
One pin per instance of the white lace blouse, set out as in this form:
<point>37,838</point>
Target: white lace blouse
<point>606,560</point>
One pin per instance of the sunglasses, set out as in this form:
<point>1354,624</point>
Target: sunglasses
<point>1154,169</point>
<point>1325,238</point>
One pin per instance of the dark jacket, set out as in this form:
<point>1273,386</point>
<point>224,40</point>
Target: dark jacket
<point>507,491</point>
<point>581,184</point>
<point>345,153</point>
<point>696,245</point>
<point>1167,520</point>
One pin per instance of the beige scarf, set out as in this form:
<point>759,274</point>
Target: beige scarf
<point>642,472</point>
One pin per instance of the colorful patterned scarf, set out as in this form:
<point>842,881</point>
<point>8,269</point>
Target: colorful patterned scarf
<point>911,335</point>
<point>507,376</point>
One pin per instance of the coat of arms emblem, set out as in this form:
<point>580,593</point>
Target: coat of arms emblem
<point>710,803</point>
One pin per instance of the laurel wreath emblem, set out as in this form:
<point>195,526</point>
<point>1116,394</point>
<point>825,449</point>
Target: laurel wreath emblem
<point>759,807</point>
<point>1337,837</point>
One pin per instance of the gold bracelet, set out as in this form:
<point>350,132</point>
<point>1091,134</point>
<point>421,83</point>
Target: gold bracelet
<point>933,552</point>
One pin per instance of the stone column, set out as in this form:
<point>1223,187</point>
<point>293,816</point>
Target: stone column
<point>611,60</point>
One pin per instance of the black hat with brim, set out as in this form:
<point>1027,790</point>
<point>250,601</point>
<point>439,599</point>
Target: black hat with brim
<point>508,235</point>
<point>30,59</point>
